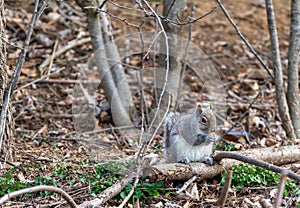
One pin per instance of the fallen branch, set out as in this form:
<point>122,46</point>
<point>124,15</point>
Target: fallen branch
<point>281,187</point>
<point>178,171</point>
<point>186,184</point>
<point>260,163</point>
<point>64,194</point>
<point>72,44</point>
<point>40,79</point>
<point>107,194</point>
<point>222,199</point>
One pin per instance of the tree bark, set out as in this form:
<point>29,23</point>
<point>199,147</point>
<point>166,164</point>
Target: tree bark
<point>173,11</point>
<point>115,65</point>
<point>178,171</point>
<point>293,57</point>
<point>120,115</point>
<point>280,91</point>
<point>6,150</point>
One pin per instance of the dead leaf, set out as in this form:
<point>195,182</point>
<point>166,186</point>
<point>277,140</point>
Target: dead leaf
<point>273,193</point>
<point>192,191</point>
<point>238,146</point>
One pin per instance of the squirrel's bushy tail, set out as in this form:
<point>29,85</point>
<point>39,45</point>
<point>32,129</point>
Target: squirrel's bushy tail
<point>169,123</point>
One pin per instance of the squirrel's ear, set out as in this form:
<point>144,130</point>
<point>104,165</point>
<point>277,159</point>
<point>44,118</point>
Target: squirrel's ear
<point>202,106</point>
<point>199,107</point>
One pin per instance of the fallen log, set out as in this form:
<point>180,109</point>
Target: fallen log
<point>178,171</point>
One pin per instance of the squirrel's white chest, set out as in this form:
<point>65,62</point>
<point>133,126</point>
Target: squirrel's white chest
<point>181,150</point>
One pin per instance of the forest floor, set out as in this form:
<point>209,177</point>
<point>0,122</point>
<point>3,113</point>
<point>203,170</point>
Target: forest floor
<point>48,147</point>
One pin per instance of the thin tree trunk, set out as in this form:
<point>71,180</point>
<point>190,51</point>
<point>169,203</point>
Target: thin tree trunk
<point>116,67</point>
<point>280,92</point>
<point>173,10</point>
<point>293,57</point>
<point>6,150</point>
<point>120,115</point>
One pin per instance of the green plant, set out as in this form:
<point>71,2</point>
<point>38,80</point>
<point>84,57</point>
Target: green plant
<point>246,175</point>
<point>143,189</point>
<point>102,177</point>
<point>63,172</point>
<point>99,176</point>
<point>8,184</point>
<point>225,147</point>
<point>154,189</point>
<point>115,167</point>
<point>45,180</point>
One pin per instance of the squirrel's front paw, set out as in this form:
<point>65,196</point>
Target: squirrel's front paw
<point>184,160</point>
<point>208,160</point>
<point>201,138</point>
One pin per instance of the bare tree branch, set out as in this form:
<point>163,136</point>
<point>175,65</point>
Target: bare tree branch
<point>222,199</point>
<point>244,39</point>
<point>246,113</point>
<point>132,189</point>
<point>186,184</point>
<point>107,194</point>
<point>72,44</point>
<point>256,162</point>
<point>64,194</point>
<point>283,178</point>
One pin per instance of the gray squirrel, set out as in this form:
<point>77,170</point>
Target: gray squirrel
<point>191,137</point>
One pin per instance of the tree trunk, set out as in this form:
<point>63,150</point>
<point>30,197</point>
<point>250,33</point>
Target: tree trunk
<point>279,86</point>
<point>170,56</point>
<point>6,150</point>
<point>114,61</point>
<point>118,108</point>
<point>293,57</point>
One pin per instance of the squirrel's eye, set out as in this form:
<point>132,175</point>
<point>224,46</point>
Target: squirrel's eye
<point>204,120</point>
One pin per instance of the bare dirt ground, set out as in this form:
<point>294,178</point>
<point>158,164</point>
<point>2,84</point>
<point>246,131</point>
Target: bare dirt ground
<point>46,141</point>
